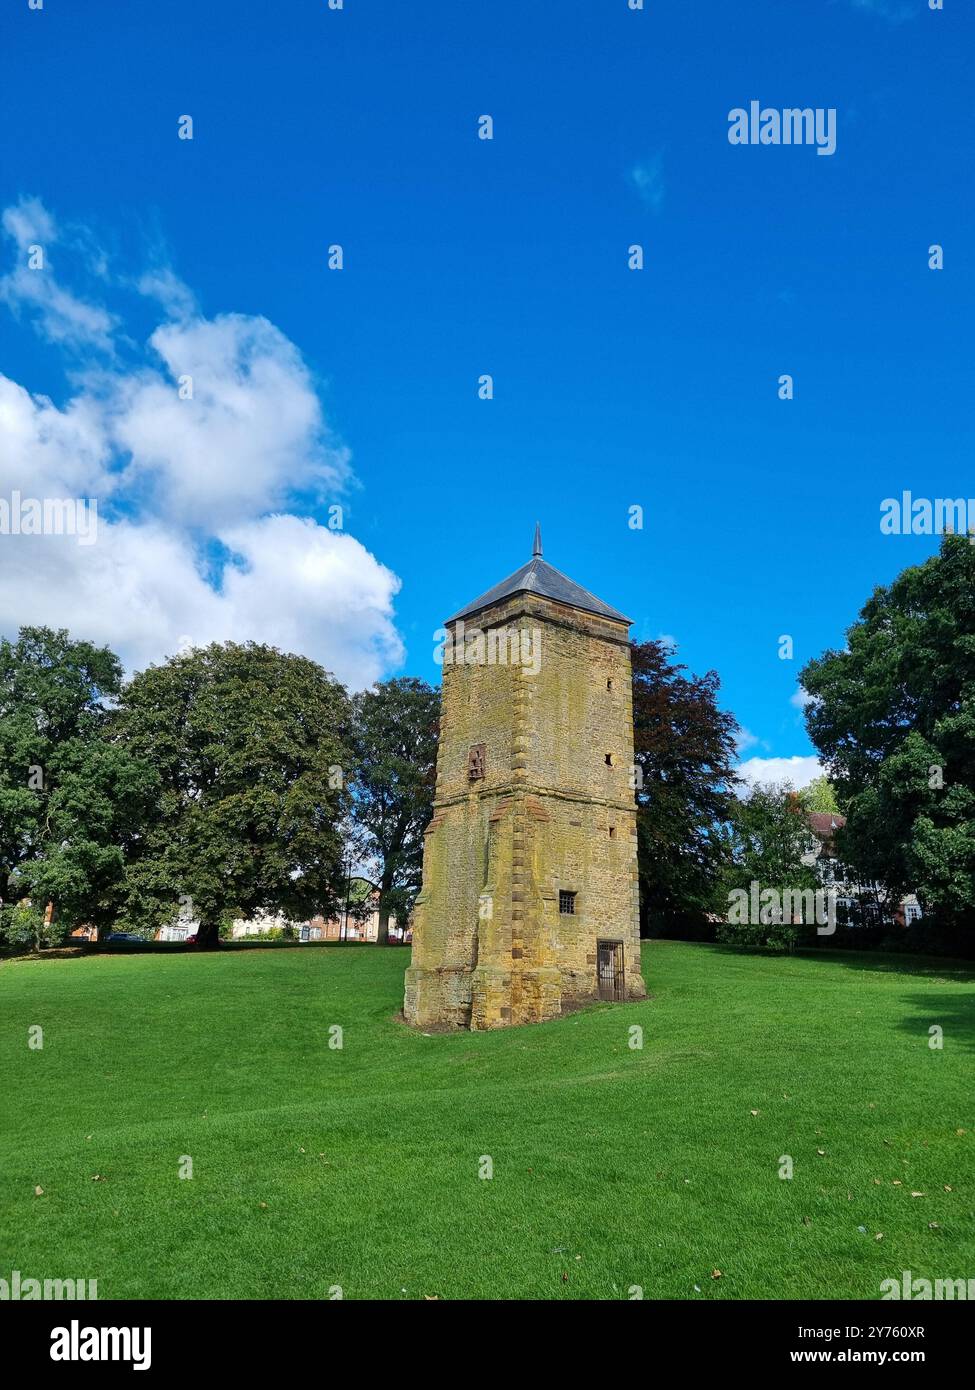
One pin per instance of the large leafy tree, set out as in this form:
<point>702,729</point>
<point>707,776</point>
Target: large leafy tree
<point>766,836</point>
<point>893,717</point>
<point>251,748</point>
<point>71,800</point>
<point>820,795</point>
<point>684,749</point>
<point>396,726</point>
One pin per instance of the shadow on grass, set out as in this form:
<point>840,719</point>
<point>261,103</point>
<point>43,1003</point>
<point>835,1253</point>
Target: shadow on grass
<point>882,962</point>
<point>954,1014</point>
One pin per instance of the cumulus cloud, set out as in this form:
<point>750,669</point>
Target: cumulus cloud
<point>797,771</point>
<point>251,432</point>
<point>198,455</point>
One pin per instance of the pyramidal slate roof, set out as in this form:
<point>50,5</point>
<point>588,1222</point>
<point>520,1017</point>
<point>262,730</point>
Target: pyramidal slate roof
<point>539,577</point>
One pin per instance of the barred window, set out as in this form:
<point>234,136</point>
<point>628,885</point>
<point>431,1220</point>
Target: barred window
<point>475,761</point>
<point>567,902</point>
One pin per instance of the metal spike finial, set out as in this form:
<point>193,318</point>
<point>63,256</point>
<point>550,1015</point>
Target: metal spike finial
<point>537,548</point>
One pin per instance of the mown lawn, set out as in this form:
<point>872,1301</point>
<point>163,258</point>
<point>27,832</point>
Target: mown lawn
<point>315,1167</point>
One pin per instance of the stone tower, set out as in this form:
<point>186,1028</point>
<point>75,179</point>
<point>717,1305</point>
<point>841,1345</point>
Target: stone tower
<point>530,893</point>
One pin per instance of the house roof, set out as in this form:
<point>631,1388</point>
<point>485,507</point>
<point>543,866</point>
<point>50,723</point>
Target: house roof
<point>539,577</point>
<point>823,823</point>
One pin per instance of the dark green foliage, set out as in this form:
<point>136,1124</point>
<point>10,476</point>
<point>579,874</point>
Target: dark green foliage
<point>251,747</point>
<point>395,737</point>
<point>765,837</point>
<point>684,747</point>
<point>71,799</point>
<point>894,719</point>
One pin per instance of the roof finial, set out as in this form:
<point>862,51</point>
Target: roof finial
<point>537,549</point>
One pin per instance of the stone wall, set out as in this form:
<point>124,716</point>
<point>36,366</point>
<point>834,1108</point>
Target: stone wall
<point>490,946</point>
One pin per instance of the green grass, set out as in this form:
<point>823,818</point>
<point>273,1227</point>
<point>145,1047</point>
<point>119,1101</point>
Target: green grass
<point>316,1167</point>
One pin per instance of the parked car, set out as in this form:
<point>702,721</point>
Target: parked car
<point>129,938</point>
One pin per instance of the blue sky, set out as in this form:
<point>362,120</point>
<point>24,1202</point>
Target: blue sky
<point>613,387</point>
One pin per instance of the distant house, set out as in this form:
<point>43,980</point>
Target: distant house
<point>860,902</point>
<point>178,930</point>
<point>358,920</point>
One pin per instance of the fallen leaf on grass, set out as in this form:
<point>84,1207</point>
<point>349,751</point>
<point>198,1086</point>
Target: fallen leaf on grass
<point>38,1192</point>
<point>716,1274</point>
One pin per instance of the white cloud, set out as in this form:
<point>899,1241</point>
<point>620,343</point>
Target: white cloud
<point>179,482</point>
<point>252,433</point>
<point>167,289</point>
<point>801,698</point>
<point>896,11</point>
<point>797,771</point>
<point>140,589</point>
<point>45,451</point>
<point>61,316</point>
<point>648,180</point>
<point>746,739</point>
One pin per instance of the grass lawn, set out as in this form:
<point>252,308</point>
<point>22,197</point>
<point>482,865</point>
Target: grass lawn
<point>315,1167</point>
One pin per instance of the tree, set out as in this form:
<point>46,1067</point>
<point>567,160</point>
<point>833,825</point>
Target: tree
<point>251,747</point>
<point>72,802</point>
<point>893,717</point>
<point>396,725</point>
<point>684,746</point>
<point>766,836</point>
<point>820,796</point>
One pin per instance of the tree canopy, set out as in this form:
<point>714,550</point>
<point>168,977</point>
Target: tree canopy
<point>251,747</point>
<point>684,747</point>
<point>71,800</point>
<point>820,795</point>
<point>395,745</point>
<point>766,837</point>
<point>893,716</point>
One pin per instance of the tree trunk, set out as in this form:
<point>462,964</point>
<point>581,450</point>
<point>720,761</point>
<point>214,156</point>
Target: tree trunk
<point>208,935</point>
<point>382,931</point>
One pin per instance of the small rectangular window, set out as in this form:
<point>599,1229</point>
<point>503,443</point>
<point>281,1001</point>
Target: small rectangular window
<point>567,903</point>
<point>475,761</point>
